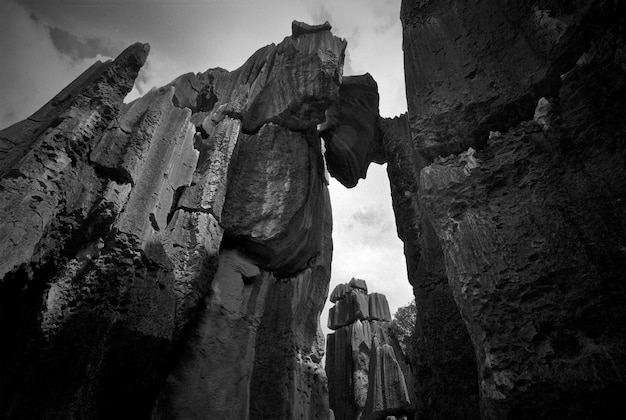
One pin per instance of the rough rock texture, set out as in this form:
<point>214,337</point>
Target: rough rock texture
<point>170,257</point>
<point>299,28</point>
<point>368,377</point>
<point>444,358</point>
<point>270,86</point>
<point>45,152</point>
<point>213,381</point>
<point>288,380</point>
<point>514,243</point>
<point>285,235</point>
<point>351,130</point>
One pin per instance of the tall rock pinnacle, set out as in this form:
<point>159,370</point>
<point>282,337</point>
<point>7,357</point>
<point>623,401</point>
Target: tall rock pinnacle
<point>368,377</point>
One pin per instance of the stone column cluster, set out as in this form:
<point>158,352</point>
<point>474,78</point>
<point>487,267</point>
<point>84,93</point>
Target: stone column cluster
<point>169,258</point>
<point>368,377</point>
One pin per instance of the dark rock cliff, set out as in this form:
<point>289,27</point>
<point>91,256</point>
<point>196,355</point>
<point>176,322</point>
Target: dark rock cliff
<point>508,186</point>
<point>169,258</point>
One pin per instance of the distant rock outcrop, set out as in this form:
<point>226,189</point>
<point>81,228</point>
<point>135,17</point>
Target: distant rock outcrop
<point>368,377</point>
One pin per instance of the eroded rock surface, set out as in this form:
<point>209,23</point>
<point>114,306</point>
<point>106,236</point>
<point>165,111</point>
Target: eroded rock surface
<point>368,377</point>
<point>507,179</point>
<point>170,257</point>
<point>351,130</point>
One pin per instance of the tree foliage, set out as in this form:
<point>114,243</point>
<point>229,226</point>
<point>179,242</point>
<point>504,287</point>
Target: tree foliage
<point>403,324</point>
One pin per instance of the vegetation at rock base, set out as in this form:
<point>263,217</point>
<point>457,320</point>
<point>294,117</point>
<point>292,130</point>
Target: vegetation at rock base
<point>403,325</point>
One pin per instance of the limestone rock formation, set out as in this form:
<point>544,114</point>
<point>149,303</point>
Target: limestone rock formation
<point>507,179</point>
<point>368,377</point>
<point>351,130</point>
<point>169,258</point>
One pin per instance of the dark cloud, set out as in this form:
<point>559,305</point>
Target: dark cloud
<point>75,47</point>
<point>34,18</point>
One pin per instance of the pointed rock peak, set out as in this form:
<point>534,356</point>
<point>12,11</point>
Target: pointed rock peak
<point>137,52</point>
<point>300,28</point>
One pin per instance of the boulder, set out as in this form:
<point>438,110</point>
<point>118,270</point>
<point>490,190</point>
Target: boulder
<point>274,206</point>
<point>378,307</point>
<point>358,284</point>
<point>339,292</point>
<point>352,307</point>
<point>351,132</point>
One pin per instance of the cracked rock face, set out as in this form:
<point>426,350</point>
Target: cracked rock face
<point>507,182</point>
<point>154,251</point>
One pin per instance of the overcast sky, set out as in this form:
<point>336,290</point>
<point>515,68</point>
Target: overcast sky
<point>45,44</point>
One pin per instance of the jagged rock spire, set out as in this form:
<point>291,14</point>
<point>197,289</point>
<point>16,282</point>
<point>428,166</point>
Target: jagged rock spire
<point>367,374</point>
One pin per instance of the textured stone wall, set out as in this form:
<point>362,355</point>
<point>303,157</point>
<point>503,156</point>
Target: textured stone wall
<point>169,258</point>
<point>507,180</point>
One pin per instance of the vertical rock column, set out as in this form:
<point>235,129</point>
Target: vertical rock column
<point>444,359</point>
<point>367,373</point>
<point>257,349</point>
<point>509,196</point>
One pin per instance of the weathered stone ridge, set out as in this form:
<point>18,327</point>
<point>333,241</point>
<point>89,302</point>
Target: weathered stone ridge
<point>58,133</point>
<point>175,249</point>
<point>368,377</point>
<point>507,182</point>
